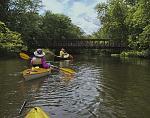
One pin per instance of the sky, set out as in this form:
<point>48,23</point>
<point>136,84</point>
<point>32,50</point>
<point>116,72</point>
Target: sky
<point>81,12</point>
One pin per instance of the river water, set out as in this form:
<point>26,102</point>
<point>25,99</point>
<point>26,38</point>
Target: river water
<point>103,87</point>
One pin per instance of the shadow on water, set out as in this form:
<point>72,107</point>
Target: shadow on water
<point>103,87</point>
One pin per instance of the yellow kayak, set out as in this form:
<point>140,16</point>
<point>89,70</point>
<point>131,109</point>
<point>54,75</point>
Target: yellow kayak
<point>36,112</point>
<point>34,73</point>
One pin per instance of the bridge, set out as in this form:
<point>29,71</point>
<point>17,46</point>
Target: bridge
<point>87,44</point>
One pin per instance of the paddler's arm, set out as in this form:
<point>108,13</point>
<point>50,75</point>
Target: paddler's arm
<point>44,64</point>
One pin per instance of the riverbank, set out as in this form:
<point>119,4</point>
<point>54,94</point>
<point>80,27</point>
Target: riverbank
<point>134,53</point>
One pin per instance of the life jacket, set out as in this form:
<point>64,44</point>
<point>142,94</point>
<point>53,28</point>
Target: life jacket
<point>36,62</point>
<point>62,53</point>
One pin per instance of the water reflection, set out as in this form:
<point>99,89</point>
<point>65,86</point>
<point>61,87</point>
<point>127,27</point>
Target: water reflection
<point>67,78</point>
<point>65,63</point>
<point>33,85</point>
<point>121,88</point>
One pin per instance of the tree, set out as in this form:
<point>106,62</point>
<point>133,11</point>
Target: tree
<point>24,18</point>
<point>112,18</point>
<point>58,27</point>
<point>4,5</point>
<point>10,42</point>
<point>138,21</point>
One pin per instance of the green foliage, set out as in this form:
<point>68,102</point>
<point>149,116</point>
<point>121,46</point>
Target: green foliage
<point>144,38</point>
<point>131,2</point>
<point>24,18</point>
<point>58,26</point>
<point>132,54</point>
<point>38,30</point>
<point>126,20</point>
<point>138,22</point>
<point>3,9</point>
<point>9,41</point>
<point>113,20</point>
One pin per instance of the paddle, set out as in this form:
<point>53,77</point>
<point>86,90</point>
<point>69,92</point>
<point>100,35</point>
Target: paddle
<point>26,57</point>
<point>22,106</point>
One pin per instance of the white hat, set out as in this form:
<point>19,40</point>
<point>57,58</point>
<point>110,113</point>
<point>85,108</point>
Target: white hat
<point>62,49</point>
<point>39,53</point>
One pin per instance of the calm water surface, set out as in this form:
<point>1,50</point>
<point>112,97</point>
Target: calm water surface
<point>103,87</point>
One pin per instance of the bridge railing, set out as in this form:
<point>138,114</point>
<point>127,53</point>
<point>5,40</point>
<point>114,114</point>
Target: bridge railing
<point>105,44</point>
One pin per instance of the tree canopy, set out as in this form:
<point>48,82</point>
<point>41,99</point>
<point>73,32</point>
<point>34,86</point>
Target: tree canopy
<point>9,41</point>
<point>127,21</point>
<point>23,16</point>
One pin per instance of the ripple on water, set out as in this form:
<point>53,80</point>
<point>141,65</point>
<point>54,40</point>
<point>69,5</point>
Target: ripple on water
<point>69,99</point>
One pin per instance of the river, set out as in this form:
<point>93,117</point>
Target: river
<point>103,87</point>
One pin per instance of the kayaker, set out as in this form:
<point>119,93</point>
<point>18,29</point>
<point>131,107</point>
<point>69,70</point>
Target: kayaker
<point>39,59</point>
<point>63,53</point>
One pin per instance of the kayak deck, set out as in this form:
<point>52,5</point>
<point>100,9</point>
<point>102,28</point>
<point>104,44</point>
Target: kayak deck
<point>36,112</point>
<point>34,73</point>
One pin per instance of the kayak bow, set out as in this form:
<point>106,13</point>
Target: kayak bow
<point>36,112</point>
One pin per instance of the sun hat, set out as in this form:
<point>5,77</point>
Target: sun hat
<point>39,53</point>
<point>62,49</point>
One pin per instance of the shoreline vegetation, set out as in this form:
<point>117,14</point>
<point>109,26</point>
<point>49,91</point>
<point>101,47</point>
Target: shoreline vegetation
<point>22,27</point>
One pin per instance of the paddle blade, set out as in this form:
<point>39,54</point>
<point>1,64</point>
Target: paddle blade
<point>68,70</point>
<point>24,56</point>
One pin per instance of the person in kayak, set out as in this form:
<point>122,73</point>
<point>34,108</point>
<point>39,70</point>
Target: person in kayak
<point>63,53</point>
<point>39,59</point>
